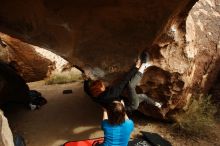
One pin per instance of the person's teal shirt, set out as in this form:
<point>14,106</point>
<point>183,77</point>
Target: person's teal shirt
<point>117,135</point>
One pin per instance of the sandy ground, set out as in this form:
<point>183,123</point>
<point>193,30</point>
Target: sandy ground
<point>74,116</point>
<point>65,117</point>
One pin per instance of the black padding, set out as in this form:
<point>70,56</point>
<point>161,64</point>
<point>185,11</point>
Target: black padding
<point>155,139</point>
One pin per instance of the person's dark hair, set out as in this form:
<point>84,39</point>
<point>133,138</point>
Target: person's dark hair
<point>116,113</point>
<point>95,88</point>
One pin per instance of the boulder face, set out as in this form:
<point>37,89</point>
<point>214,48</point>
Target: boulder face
<point>106,37</point>
<point>29,64</point>
<point>203,39</point>
<point>190,57</point>
<point>6,137</point>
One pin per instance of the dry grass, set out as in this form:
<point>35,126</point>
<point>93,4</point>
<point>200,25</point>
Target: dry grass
<point>62,78</point>
<point>198,120</point>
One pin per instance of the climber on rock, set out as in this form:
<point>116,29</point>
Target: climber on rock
<point>106,95</point>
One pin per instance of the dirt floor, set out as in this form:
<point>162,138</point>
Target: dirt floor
<point>74,116</point>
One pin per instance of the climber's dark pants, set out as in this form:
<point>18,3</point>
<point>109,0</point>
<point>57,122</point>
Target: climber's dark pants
<point>134,98</point>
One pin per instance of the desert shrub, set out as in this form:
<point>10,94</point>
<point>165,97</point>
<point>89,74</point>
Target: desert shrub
<point>62,78</point>
<point>198,119</point>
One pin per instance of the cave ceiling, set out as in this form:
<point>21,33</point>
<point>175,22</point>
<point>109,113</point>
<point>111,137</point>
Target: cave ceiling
<point>93,33</point>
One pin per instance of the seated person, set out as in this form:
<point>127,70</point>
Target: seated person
<point>106,95</point>
<point>116,125</point>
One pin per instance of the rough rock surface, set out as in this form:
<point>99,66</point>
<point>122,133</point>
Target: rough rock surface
<point>98,33</point>
<point>203,49</point>
<point>29,64</point>
<point>190,56</point>
<point>108,35</point>
<point>6,137</point>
